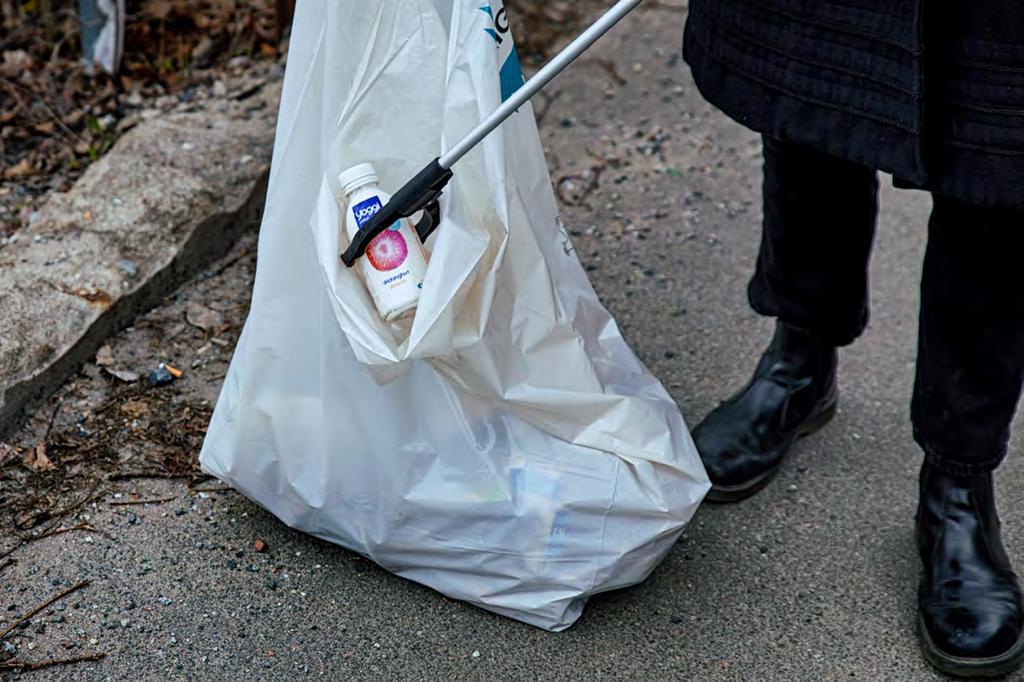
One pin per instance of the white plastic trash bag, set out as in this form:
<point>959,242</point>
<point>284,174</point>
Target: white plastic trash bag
<point>506,447</point>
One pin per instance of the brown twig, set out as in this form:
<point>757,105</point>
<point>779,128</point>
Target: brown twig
<point>542,112</point>
<point>25,539</point>
<point>228,263</point>
<point>610,68</point>
<point>149,474</point>
<point>53,416</point>
<point>116,397</point>
<point>39,665</point>
<point>8,552</point>
<point>60,531</point>
<point>92,494</point>
<point>19,621</point>
<point>6,563</point>
<point>222,489</point>
<point>592,183</point>
<point>126,503</point>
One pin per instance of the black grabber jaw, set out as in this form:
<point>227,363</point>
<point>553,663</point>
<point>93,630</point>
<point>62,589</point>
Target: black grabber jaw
<point>419,194</point>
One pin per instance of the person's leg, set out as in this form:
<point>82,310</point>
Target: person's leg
<point>969,376</point>
<point>819,225</point>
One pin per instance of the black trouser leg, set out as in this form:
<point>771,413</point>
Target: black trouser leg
<point>819,226</point>
<point>970,364</point>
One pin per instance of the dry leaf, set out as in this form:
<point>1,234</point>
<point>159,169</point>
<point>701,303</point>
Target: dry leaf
<point>19,170</point>
<point>7,453</point>
<point>202,317</point>
<point>122,375</point>
<point>36,459</point>
<point>158,9</point>
<point>104,357</point>
<point>135,408</point>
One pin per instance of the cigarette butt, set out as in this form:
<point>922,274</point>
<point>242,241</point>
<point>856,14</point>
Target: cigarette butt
<point>173,370</point>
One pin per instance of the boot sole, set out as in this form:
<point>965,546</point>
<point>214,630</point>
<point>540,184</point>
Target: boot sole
<point>996,666</point>
<point>730,494</point>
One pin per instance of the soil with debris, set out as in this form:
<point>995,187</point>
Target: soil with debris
<point>138,411</point>
<point>59,114</point>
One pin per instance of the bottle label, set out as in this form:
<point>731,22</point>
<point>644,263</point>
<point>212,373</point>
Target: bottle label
<point>389,250</point>
<point>367,209</point>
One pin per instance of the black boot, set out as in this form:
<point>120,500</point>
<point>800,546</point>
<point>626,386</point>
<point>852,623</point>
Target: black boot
<point>793,393</point>
<point>971,615</point>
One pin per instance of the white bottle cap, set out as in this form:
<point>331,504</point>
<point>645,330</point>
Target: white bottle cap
<point>356,177</point>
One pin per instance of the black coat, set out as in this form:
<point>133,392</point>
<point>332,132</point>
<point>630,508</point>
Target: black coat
<point>929,90</point>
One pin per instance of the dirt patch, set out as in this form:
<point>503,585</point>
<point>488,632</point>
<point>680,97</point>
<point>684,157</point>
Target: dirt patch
<point>138,411</point>
<point>58,115</point>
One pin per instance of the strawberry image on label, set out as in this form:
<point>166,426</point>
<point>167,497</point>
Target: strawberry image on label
<point>388,251</point>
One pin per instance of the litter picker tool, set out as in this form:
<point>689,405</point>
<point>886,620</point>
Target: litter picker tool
<point>423,191</point>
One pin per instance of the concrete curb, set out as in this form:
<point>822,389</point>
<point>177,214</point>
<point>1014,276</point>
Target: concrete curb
<point>171,197</point>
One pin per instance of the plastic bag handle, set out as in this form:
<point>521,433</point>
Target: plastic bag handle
<point>419,194</point>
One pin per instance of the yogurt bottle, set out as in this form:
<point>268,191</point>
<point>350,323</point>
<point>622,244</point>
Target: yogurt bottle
<point>394,265</point>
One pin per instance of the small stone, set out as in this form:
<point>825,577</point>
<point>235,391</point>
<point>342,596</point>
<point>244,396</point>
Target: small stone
<point>232,564</point>
<point>476,654</point>
<point>239,553</point>
<point>252,568</point>
<point>165,601</point>
<point>160,377</point>
<point>31,646</point>
<point>125,622</point>
<point>104,356</point>
<point>676,619</point>
<point>94,641</point>
<point>259,546</point>
<point>271,584</point>
<point>10,648</point>
<point>129,267</point>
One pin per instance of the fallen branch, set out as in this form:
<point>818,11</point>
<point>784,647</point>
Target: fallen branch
<point>125,503</point>
<point>39,665</point>
<point>73,588</point>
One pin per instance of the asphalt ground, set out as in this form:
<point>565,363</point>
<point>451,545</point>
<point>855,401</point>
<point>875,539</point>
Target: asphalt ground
<point>813,579</point>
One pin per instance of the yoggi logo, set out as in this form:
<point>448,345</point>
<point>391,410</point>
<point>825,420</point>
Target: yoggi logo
<point>366,210</point>
<point>511,72</point>
<point>500,19</point>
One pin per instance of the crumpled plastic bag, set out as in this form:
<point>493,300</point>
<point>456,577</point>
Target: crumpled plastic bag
<point>507,448</point>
